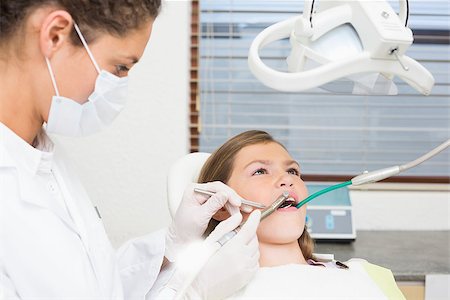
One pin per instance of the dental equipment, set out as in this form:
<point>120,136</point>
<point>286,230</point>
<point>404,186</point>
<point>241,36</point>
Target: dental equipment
<point>246,202</point>
<point>206,254</point>
<point>264,214</point>
<point>274,206</point>
<point>344,37</point>
<point>374,176</point>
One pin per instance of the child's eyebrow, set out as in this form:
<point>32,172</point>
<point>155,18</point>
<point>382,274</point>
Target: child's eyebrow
<point>261,161</point>
<point>290,162</point>
<point>268,162</point>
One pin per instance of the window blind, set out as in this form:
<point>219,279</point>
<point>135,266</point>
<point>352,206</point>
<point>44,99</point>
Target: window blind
<point>330,134</point>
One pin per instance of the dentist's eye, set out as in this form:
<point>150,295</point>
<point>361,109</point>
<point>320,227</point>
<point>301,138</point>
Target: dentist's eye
<point>122,70</point>
<point>260,171</point>
<point>294,171</point>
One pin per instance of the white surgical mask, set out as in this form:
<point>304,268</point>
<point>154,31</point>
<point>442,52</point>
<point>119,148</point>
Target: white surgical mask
<point>70,118</point>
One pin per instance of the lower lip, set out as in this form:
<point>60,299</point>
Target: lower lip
<point>286,209</point>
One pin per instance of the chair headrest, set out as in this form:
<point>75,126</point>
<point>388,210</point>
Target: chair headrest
<point>183,172</point>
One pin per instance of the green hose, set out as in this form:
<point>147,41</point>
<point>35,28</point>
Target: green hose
<point>321,192</point>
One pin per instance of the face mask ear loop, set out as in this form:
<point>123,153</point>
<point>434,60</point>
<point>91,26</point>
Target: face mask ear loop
<point>83,41</point>
<point>52,76</point>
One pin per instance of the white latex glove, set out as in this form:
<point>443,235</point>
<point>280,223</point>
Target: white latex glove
<point>234,265</point>
<point>195,211</point>
<point>228,270</point>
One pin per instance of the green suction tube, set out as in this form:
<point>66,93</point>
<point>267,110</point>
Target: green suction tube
<point>321,192</point>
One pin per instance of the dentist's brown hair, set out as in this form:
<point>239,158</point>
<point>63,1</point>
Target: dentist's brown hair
<point>219,167</point>
<point>116,17</point>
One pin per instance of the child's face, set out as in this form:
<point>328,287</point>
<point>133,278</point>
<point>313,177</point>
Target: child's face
<point>261,173</point>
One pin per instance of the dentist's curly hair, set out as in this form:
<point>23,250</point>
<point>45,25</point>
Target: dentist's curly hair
<point>116,17</point>
<point>219,167</point>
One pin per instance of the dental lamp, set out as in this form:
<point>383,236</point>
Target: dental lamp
<point>342,39</point>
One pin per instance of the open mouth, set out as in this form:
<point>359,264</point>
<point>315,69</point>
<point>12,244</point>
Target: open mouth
<point>289,202</point>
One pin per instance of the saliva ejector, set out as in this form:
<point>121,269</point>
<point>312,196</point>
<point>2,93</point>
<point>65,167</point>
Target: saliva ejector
<point>374,176</point>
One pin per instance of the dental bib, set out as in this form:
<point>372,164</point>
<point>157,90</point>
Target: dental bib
<point>296,281</point>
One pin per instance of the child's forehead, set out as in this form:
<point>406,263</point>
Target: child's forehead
<point>270,152</point>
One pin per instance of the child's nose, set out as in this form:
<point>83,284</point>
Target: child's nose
<point>285,181</point>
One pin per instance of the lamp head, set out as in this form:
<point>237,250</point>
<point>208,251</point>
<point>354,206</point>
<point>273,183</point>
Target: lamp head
<point>346,39</point>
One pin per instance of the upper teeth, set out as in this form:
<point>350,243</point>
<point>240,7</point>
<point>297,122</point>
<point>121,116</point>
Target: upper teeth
<point>288,202</point>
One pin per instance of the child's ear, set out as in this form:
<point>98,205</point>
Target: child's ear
<point>221,214</point>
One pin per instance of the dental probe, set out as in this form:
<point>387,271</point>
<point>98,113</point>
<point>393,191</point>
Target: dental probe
<point>264,214</point>
<point>246,202</point>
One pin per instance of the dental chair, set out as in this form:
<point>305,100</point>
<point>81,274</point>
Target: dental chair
<point>183,172</point>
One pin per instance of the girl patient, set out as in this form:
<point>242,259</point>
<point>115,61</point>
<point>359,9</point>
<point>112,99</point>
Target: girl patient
<point>260,169</point>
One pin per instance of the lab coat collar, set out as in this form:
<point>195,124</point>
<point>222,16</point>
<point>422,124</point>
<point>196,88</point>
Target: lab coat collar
<point>19,152</point>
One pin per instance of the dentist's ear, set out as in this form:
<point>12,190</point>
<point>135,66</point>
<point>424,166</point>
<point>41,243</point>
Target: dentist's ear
<point>55,31</point>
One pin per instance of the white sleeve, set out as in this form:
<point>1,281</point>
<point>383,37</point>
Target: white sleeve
<point>139,262</point>
<point>7,290</point>
<point>159,290</point>
<point>164,290</point>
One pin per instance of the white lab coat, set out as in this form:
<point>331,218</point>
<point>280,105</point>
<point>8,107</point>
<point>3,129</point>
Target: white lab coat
<point>52,242</point>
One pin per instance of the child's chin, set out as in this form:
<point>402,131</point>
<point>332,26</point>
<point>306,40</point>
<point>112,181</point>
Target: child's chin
<point>281,238</point>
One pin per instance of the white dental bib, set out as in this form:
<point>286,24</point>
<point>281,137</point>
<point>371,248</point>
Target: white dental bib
<point>295,281</point>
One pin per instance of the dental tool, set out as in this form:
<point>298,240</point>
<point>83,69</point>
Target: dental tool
<point>377,175</point>
<point>206,254</point>
<point>264,214</point>
<point>246,202</point>
<point>274,206</point>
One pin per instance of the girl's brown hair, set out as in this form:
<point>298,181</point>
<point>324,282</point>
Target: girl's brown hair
<point>219,167</point>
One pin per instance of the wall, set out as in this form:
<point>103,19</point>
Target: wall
<point>124,168</point>
<point>389,206</point>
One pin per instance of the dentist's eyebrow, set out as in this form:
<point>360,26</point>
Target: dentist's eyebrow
<point>133,59</point>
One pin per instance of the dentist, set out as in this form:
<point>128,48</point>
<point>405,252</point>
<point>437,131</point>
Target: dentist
<point>63,70</point>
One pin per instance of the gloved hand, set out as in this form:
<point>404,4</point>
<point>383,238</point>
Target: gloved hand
<point>195,211</point>
<point>228,270</point>
<point>235,264</point>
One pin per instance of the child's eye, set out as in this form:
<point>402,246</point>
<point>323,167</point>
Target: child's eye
<point>294,171</point>
<point>260,171</point>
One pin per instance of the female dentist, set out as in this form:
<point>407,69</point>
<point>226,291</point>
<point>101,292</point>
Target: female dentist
<point>64,65</point>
